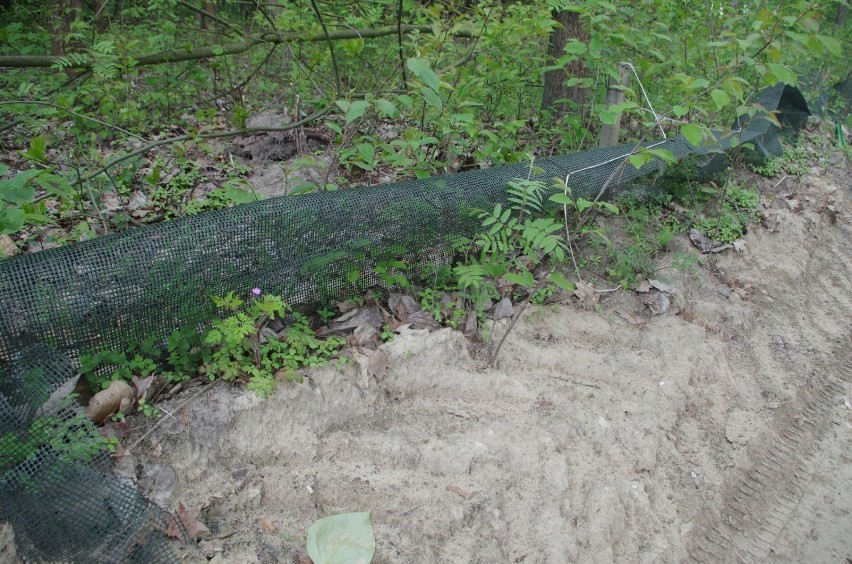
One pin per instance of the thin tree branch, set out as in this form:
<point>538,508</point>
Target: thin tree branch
<point>174,56</point>
<point>268,19</point>
<point>337,84</point>
<point>250,76</point>
<point>399,38</point>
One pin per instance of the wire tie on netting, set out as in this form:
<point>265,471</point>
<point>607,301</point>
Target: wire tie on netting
<point>657,117</point>
<point>658,120</point>
<point>565,208</point>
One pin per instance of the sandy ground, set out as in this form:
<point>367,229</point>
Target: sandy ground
<point>720,430</point>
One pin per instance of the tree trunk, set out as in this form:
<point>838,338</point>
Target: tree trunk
<point>65,12</point>
<point>554,81</point>
<point>203,21</point>
<point>842,12</point>
<point>99,8</point>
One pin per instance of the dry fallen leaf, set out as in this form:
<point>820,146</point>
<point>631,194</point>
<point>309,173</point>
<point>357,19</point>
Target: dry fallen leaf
<point>7,246</point>
<point>586,293</point>
<point>115,429</point>
<point>700,240</point>
<point>630,317</point>
<point>344,307</point>
<point>663,287</point>
<point>402,306</point>
<point>189,520</point>
<point>268,525</point>
<point>142,385</point>
<point>139,214</point>
<point>742,290</point>
<point>643,286</point>
<point>377,366</point>
<point>460,492</point>
<point>350,320</point>
<point>471,324</point>
<point>109,401</point>
<point>721,248</point>
<point>502,309</point>
<point>422,320</point>
<point>658,302</point>
<point>366,335</point>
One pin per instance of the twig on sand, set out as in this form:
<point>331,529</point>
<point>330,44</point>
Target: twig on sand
<point>126,451</point>
<point>515,318</point>
<point>777,184</point>
<point>576,383</point>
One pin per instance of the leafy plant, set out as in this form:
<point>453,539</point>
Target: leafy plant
<point>69,437</point>
<point>239,348</point>
<point>104,367</point>
<point>390,272</point>
<point>148,410</point>
<point>647,237</point>
<point>235,347</point>
<point>794,161</point>
<point>446,307</point>
<point>736,210</point>
<point>19,205</point>
<point>514,242</point>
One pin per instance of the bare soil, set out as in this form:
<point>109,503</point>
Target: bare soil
<point>720,430</point>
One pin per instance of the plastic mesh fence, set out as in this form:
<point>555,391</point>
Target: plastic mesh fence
<point>61,498</point>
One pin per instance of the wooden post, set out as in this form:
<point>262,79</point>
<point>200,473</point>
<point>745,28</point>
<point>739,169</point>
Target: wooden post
<point>614,96</point>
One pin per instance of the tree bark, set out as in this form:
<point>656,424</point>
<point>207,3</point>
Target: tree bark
<point>205,22</point>
<point>842,12</point>
<point>65,12</point>
<point>555,89</point>
<point>101,21</point>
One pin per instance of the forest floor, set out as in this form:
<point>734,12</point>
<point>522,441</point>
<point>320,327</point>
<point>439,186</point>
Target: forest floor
<point>718,430</point>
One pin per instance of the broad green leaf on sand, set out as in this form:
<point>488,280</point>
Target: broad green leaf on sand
<point>342,539</point>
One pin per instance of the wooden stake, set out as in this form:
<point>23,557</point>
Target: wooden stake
<point>614,96</point>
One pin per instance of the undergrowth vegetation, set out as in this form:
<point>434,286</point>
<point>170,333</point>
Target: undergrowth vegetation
<point>128,123</point>
<point>239,347</point>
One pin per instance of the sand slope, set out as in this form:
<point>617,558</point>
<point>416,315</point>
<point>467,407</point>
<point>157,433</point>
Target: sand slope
<point>718,431</point>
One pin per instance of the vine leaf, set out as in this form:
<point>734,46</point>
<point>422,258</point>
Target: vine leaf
<point>692,133</point>
<point>422,70</point>
<point>189,521</point>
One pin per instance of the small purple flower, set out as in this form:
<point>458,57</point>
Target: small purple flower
<point>255,291</point>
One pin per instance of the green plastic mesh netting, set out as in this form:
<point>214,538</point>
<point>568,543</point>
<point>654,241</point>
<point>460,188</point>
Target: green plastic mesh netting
<point>57,487</point>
